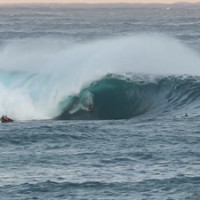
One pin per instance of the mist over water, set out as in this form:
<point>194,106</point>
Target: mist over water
<point>140,53</point>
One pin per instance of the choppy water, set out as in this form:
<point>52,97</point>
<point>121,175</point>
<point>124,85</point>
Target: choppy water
<point>140,68</point>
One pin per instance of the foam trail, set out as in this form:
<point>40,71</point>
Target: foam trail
<point>37,74</point>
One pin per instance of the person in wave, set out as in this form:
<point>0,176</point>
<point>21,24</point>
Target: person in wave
<point>5,119</point>
<point>90,107</point>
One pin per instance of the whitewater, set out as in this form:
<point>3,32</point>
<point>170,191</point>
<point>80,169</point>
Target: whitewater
<point>137,65</point>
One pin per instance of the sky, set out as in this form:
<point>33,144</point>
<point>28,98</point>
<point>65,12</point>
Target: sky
<point>97,1</point>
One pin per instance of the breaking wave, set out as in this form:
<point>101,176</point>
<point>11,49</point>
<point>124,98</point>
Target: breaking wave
<point>54,79</point>
<point>124,97</point>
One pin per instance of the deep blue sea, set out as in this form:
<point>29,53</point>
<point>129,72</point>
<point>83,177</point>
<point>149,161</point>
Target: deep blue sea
<point>105,101</point>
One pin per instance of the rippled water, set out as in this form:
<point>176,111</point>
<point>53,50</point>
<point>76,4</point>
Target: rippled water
<point>152,158</point>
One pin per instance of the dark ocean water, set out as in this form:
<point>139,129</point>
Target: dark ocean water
<point>137,65</point>
<point>150,158</point>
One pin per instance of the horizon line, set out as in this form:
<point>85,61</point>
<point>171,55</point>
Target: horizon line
<point>104,3</point>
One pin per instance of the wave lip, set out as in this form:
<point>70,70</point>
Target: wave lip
<point>126,96</point>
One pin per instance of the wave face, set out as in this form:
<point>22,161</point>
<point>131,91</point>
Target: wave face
<point>127,96</point>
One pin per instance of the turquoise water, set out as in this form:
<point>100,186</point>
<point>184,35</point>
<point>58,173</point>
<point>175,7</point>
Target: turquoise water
<point>138,66</point>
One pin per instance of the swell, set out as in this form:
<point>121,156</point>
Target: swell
<point>126,96</point>
<point>61,190</point>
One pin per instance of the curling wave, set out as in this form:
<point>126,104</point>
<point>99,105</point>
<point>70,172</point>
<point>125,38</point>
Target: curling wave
<point>37,77</point>
<point>127,96</point>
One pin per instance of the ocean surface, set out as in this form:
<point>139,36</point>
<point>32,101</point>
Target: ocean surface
<point>106,102</point>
